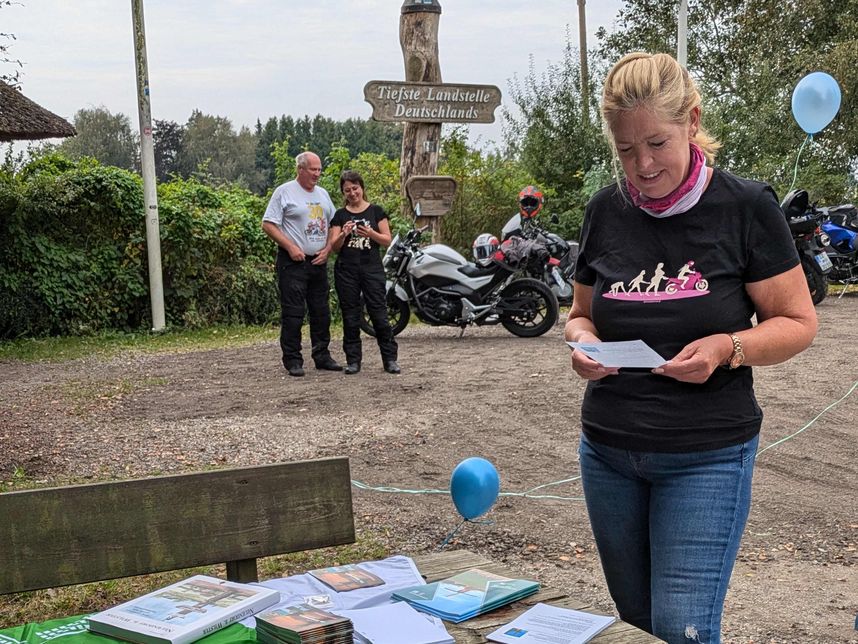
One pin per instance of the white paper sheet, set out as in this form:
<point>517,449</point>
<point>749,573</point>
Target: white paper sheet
<point>395,624</point>
<point>631,353</point>
<point>545,624</point>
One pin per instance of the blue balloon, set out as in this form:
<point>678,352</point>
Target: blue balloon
<point>815,101</point>
<point>474,486</point>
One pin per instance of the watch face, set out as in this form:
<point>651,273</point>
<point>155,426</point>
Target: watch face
<point>738,356</point>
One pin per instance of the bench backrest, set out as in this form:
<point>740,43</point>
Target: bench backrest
<point>82,533</point>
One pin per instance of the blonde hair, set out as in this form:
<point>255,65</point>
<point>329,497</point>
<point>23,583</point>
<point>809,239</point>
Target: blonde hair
<point>658,83</point>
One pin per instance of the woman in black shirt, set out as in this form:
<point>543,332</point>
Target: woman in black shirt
<point>357,232</point>
<point>667,455</point>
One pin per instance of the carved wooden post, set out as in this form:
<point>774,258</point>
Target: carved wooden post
<point>421,142</point>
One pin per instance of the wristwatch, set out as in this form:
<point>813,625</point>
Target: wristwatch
<point>737,358</point>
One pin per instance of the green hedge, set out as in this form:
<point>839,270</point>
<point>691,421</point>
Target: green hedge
<point>73,254</point>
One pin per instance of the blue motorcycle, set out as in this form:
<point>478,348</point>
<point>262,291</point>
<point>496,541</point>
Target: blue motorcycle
<point>840,223</point>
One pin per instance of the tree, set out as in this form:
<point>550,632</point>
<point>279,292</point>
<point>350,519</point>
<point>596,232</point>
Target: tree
<point>168,137</point>
<point>322,135</point>
<point>486,192</point>
<point>103,136</point>
<point>12,66</point>
<point>554,142</point>
<point>213,149</point>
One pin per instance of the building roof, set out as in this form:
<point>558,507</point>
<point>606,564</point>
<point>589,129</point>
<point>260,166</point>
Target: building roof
<point>21,118</point>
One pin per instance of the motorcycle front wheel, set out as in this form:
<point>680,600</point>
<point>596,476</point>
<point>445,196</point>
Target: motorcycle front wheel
<point>528,308</point>
<point>816,281</point>
<point>398,314</point>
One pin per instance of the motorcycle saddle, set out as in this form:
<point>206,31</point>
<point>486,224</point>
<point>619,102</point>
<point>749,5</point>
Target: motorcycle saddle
<point>472,270</point>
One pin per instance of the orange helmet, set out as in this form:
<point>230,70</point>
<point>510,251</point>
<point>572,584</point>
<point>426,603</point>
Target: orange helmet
<point>530,202</point>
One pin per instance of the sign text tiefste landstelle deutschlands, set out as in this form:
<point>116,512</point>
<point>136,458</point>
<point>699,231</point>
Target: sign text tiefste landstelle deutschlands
<point>432,102</point>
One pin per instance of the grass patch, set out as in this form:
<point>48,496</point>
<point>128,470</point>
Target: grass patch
<point>53,603</point>
<point>835,289</point>
<point>107,344</point>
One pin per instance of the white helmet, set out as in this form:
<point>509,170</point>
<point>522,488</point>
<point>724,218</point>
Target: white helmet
<point>484,247</point>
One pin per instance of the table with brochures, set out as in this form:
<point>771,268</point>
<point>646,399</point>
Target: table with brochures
<point>446,564</point>
<point>397,572</point>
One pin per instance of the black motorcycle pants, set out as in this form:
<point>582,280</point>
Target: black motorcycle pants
<point>352,280</point>
<point>303,287</point>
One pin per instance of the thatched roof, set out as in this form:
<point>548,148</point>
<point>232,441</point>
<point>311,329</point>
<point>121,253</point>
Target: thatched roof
<point>21,118</point>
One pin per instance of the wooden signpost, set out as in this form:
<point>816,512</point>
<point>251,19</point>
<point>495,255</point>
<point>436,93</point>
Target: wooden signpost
<point>432,102</point>
<point>423,102</point>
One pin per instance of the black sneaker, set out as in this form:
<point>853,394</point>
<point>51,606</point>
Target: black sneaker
<point>392,367</point>
<point>353,367</point>
<point>329,365</point>
<point>295,370</point>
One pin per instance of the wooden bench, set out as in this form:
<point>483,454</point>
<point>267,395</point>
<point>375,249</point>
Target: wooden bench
<point>83,533</point>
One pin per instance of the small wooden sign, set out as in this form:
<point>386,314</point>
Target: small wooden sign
<point>432,102</point>
<point>434,194</point>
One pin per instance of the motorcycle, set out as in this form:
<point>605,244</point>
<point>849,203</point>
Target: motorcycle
<point>840,223</point>
<point>444,289</point>
<point>559,270</point>
<point>691,282</point>
<point>804,221</point>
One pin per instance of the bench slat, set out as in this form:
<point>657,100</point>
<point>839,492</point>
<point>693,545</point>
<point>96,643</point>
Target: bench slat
<point>76,534</point>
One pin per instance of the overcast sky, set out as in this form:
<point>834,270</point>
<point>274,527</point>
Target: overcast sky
<point>253,59</point>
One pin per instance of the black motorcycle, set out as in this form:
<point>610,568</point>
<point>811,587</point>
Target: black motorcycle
<point>804,221</point>
<point>559,269</point>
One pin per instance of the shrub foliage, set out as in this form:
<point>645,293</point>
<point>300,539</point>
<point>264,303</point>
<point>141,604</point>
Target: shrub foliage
<point>73,254</point>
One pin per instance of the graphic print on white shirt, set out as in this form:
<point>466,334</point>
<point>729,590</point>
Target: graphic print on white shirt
<point>317,224</point>
<point>689,282</point>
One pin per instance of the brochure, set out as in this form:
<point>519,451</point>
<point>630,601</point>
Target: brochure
<point>302,623</point>
<point>466,595</point>
<point>348,577</point>
<point>545,624</point>
<point>183,612</point>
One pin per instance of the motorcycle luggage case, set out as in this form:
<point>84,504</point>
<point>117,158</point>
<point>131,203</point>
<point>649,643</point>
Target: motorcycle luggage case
<point>845,215</point>
<point>803,224</point>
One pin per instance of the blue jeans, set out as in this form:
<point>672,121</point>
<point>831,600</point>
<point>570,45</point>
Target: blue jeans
<point>667,527</point>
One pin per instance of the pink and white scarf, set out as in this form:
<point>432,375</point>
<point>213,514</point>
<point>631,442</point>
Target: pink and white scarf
<point>683,198</point>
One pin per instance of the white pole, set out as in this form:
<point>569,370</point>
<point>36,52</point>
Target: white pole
<point>147,161</point>
<point>682,34</point>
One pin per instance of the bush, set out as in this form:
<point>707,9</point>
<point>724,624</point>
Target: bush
<point>73,254</point>
<point>71,262</point>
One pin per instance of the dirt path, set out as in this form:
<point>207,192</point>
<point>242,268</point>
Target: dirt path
<point>511,400</point>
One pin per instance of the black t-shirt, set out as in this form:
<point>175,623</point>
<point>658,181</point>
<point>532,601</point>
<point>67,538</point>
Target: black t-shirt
<point>357,249</point>
<point>668,282</point>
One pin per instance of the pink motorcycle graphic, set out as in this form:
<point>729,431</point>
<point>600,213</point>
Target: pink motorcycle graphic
<point>692,281</point>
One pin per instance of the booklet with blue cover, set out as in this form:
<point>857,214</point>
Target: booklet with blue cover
<point>466,595</point>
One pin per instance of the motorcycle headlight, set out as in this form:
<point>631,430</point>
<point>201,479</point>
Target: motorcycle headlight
<point>824,239</point>
<point>392,260</point>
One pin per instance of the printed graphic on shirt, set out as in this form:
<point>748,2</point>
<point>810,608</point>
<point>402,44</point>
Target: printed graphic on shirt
<point>689,282</point>
<point>317,225</point>
<point>355,240</point>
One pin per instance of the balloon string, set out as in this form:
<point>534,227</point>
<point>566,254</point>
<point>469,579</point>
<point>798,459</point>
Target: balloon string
<point>458,527</point>
<point>809,137</point>
<point>452,534</point>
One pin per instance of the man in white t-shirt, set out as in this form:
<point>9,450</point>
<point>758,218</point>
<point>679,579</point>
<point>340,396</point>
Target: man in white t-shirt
<point>298,219</point>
